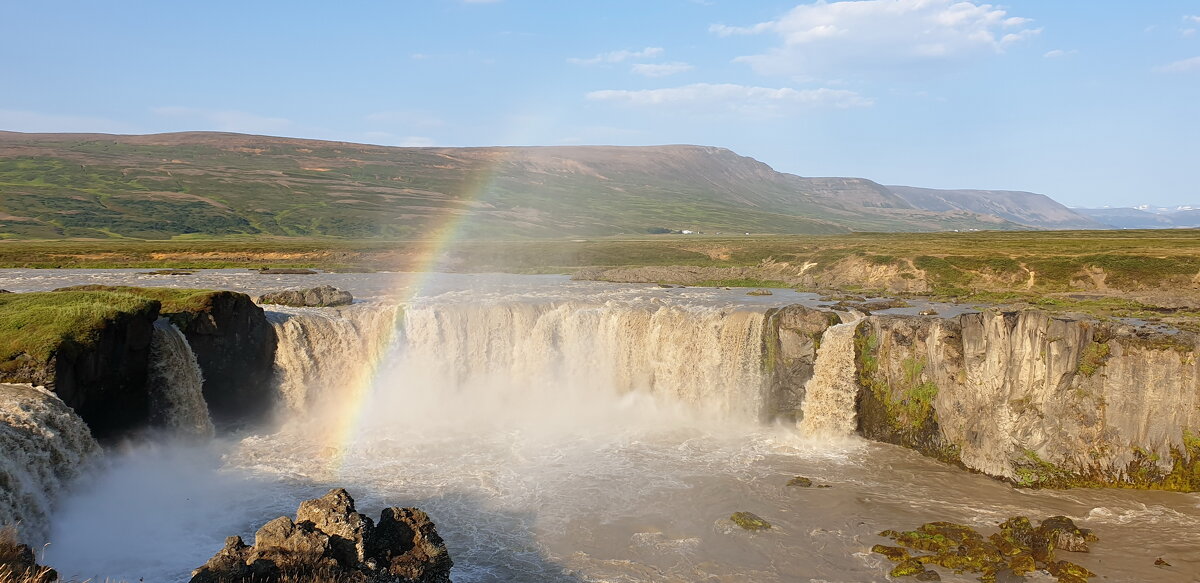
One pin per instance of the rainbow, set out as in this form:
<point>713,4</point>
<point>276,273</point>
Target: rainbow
<point>446,230</point>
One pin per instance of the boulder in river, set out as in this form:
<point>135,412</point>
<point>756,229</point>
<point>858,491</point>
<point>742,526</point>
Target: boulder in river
<point>330,541</point>
<point>313,297</point>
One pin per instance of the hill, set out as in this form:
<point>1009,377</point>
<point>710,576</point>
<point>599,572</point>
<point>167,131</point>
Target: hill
<point>1024,208</point>
<point>206,184</point>
<point>1134,218</point>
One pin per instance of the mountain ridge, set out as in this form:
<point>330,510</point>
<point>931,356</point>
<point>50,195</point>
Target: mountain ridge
<point>157,186</point>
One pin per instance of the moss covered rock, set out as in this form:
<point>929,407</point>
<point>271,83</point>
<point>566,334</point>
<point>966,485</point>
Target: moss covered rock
<point>750,521</point>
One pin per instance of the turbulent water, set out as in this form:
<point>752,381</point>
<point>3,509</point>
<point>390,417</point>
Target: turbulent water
<point>325,356</point>
<point>574,433</point>
<point>176,383</point>
<point>43,447</point>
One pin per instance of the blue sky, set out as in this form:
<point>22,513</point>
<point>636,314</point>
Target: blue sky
<point>1093,103</point>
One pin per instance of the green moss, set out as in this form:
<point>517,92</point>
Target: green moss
<point>1034,472</point>
<point>1094,355</point>
<point>1018,547</point>
<point>749,521</point>
<point>34,325</point>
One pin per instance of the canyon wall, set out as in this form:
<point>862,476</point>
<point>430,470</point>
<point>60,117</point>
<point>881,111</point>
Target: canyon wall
<point>1030,397</point>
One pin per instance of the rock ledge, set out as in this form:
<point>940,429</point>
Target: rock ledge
<point>330,542</point>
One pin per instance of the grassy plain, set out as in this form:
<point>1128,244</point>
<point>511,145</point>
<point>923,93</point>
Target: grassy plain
<point>949,260</point>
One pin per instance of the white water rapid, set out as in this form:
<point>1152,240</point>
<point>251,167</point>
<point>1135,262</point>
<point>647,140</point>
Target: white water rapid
<point>707,359</point>
<point>829,396</point>
<point>176,383</point>
<point>43,447</point>
<point>326,356</point>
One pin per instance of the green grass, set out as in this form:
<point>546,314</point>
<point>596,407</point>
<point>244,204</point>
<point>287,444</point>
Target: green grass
<point>173,300</point>
<point>36,324</point>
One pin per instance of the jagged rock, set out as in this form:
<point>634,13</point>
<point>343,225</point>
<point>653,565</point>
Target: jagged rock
<point>759,292</point>
<point>800,481</point>
<point>1065,535</point>
<point>170,272</point>
<point>330,541</point>
<point>1017,550</point>
<point>316,297</point>
<point>334,515</point>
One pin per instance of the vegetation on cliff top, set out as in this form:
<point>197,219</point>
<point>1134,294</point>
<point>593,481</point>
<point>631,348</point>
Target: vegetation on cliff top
<point>36,324</point>
<point>173,300</point>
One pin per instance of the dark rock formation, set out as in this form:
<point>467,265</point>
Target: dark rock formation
<point>330,542</point>
<point>234,345</point>
<point>17,561</point>
<point>105,381</point>
<point>315,297</point>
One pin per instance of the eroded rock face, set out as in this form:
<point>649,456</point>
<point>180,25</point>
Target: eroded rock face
<point>330,541</point>
<point>315,297</point>
<point>1036,398</point>
<point>235,346</point>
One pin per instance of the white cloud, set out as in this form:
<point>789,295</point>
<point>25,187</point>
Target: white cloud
<point>1192,18</point>
<point>32,121</point>
<point>227,120</point>
<point>1192,64</point>
<point>728,97</point>
<point>660,69</point>
<point>1059,53</point>
<point>619,56</point>
<point>829,37</point>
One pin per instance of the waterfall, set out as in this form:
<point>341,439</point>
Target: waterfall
<point>830,395</point>
<point>43,446</point>
<point>325,352</point>
<point>176,383</point>
<point>702,357</point>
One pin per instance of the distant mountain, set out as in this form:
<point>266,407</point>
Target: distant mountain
<point>1023,208</point>
<point>1145,217</point>
<point>217,184</point>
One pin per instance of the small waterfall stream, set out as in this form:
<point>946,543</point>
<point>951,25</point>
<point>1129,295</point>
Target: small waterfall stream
<point>176,383</point>
<point>829,402</point>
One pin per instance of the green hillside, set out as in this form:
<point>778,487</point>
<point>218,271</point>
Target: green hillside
<point>216,185</point>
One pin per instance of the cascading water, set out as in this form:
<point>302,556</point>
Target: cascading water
<point>829,396</point>
<point>325,353</point>
<point>176,383</point>
<point>704,358</point>
<point>44,445</point>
